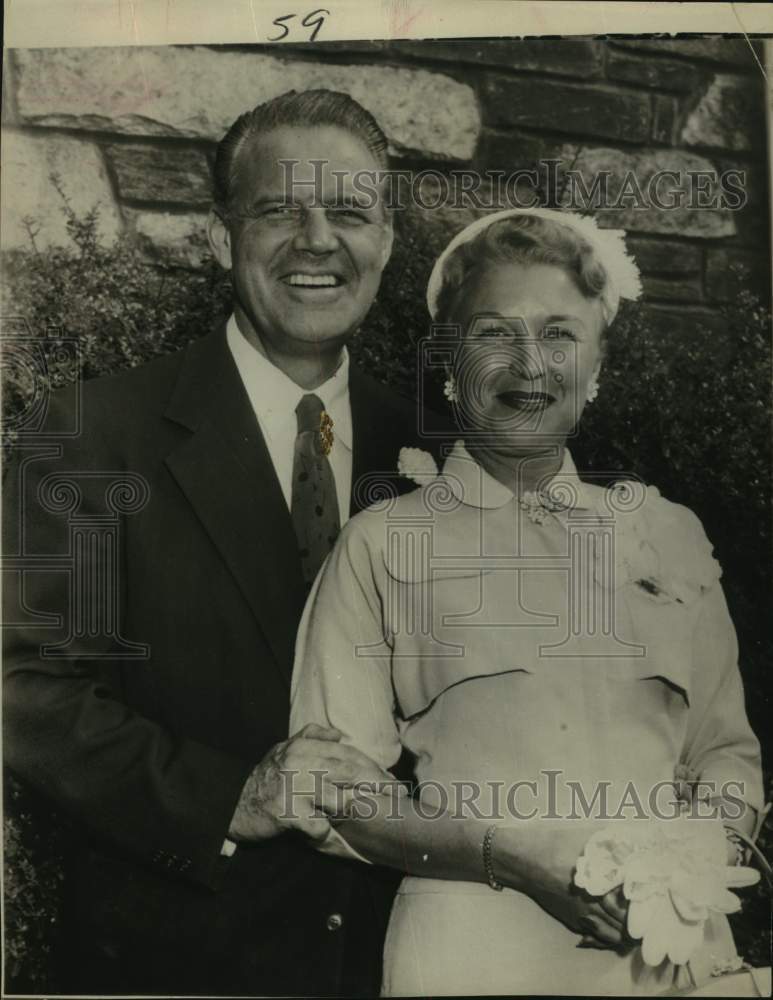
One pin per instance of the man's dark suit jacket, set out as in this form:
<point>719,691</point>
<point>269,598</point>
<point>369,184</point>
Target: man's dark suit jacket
<point>149,752</point>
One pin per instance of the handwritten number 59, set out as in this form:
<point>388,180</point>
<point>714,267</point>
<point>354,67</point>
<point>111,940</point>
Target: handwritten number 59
<point>314,19</point>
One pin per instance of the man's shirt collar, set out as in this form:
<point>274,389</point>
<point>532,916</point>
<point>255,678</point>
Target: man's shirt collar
<point>274,396</point>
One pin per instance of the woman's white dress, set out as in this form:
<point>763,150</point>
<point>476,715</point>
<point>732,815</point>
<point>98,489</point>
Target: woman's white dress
<point>503,645</point>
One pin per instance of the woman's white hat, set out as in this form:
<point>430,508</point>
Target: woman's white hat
<point>623,279</point>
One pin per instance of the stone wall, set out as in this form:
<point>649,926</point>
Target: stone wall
<point>133,130</point>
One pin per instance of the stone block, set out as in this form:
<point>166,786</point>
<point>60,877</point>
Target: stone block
<point>180,239</point>
<point>161,173</point>
<point>650,71</point>
<point>562,107</point>
<point>28,165</point>
<point>729,115</point>
<point>578,57</point>
<point>196,92</point>
<point>665,257</point>
<point>632,192</point>
<point>752,217</point>
<point>732,51</point>
<point>8,111</point>
<point>664,119</point>
<point>684,289</point>
<point>333,49</point>
<point>510,150</point>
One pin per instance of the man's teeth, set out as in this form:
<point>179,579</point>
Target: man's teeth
<point>313,280</point>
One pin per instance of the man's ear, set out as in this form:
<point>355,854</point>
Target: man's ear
<point>386,250</point>
<point>219,239</point>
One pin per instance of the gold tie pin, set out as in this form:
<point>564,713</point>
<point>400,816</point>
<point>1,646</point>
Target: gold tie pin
<point>325,432</point>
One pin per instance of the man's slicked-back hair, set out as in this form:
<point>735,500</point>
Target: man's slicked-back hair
<point>296,109</point>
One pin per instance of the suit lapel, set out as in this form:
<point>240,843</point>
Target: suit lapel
<point>225,471</point>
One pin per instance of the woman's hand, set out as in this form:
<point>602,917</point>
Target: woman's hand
<point>600,919</point>
<point>539,860</point>
<point>603,922</point>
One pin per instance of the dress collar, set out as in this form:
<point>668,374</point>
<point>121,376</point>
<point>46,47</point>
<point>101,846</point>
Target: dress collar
<point>473,486</point>
<point>274,395</point>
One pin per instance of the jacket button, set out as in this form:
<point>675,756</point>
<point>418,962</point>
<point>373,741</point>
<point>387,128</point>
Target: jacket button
<point>334,921</point>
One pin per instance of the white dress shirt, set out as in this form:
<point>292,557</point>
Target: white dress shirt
<point>274,398</point>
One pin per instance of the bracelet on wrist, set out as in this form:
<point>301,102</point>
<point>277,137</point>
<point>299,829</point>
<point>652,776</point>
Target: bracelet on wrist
<point>734,838</point>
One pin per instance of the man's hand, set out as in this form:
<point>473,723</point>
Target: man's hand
<point>283,793</point>
<point>539,859</point>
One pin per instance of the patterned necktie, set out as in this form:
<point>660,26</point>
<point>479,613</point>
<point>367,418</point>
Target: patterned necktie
<point>314,504</point>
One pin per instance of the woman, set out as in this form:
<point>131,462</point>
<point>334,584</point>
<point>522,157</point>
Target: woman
<point>543,647</point>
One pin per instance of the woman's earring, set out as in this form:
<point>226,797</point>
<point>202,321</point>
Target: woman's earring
<point>449,389</point>
<point>593,388</point>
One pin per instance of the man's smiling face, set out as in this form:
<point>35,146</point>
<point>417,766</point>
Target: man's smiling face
<point>306,259</point>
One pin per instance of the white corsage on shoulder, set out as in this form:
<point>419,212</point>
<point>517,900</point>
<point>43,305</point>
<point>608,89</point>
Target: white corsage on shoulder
<point>418,465</point>
<point>674,875</point>
<point>662,548</point>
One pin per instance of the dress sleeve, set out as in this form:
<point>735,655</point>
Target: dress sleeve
<point>342,672</point>
<point>720,746</point>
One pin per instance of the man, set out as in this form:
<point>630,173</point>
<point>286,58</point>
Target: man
<point>162,728</point>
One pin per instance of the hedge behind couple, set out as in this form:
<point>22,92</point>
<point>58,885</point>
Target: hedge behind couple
<point>190,876</point>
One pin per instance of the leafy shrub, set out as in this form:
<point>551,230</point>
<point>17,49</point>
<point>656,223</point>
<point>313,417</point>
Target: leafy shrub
<point>33,847</point>
<point>689,413</point>
<point>123,308</point>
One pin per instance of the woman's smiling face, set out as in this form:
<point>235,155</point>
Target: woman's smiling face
<point>530,343</point>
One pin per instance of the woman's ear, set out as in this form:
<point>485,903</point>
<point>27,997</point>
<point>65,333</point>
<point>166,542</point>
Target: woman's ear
<point>219,239</point>
<point>603,343</point>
